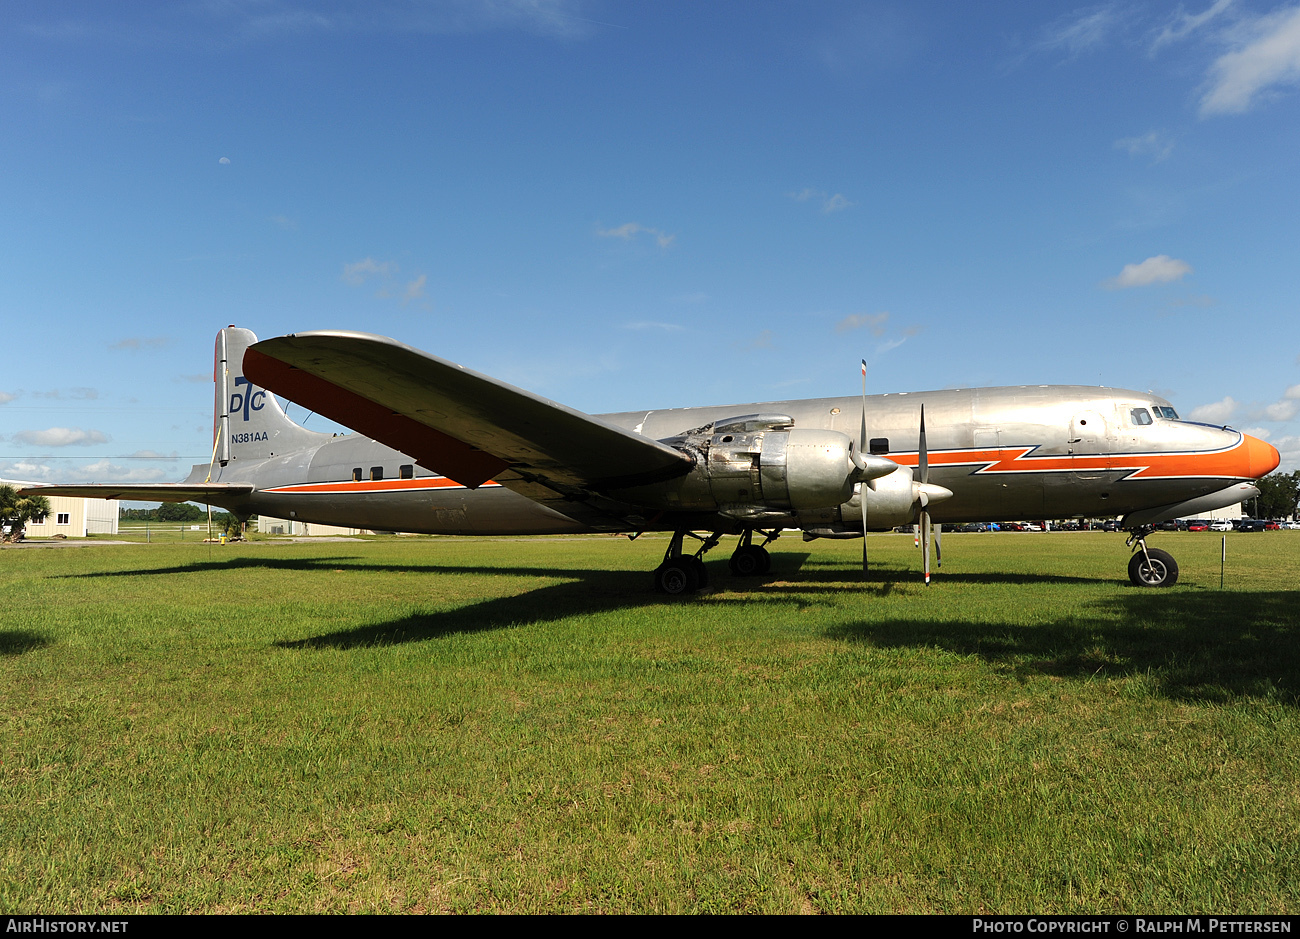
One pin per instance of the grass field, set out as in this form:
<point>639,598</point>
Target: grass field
<point>438,724</point>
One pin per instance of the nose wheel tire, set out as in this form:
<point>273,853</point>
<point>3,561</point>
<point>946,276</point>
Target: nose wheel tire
<point>1155,568</point>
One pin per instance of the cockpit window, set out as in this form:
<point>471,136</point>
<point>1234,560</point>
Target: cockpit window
<point>1140,416</point>
<point>1168,414</point>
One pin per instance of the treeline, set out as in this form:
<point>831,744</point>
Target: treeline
<point>1279,494</point>
<point>180,512</point>
<point>167,512</point>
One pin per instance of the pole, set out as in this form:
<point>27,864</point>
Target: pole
<point>1223,558</point>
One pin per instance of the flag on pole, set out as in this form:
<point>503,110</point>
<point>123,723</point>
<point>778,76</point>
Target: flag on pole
<point>864,368</point>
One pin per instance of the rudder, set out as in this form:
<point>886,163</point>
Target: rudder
<point>248,422</point>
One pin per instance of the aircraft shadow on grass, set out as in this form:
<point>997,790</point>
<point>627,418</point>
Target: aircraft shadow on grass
<point>18,641</point>
<point>1200,645</point>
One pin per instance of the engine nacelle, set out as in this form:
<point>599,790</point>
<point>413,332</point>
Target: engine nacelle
<point>780,469</point>
<point>891,500</point>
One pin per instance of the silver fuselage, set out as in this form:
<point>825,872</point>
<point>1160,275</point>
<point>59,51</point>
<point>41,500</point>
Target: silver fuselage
<point>1024,452</point>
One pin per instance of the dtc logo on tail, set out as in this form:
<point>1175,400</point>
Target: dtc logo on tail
<point>246,400</point>
<point>243,402</point>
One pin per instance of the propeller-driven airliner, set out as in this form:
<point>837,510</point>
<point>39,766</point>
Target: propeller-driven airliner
<point>441,449</point>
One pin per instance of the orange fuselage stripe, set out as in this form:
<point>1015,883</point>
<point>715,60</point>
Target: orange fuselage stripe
<point>1230,462</point>
<point>379,485</point>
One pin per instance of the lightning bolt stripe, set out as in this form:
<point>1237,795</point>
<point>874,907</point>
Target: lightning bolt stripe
<point>379,485</point>
<point>1231,461</point>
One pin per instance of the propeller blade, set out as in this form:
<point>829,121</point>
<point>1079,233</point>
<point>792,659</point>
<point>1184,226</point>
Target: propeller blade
<point>924,491</point>
<point>923,454</point>
<point>862,452</point>
<point>925,544</point>
<point>938,550</point>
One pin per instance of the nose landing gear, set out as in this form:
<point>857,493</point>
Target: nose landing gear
<point>1150,567</point>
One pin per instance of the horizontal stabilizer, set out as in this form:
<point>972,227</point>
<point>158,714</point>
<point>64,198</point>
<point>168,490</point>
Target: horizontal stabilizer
<point>462,424</point>
<point>213,493</point>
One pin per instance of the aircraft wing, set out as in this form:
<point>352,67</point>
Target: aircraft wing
<point>214,493</point>
<point>467,426</point>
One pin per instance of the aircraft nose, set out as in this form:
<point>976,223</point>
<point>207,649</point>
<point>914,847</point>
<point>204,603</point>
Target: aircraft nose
<point>1261,458</point>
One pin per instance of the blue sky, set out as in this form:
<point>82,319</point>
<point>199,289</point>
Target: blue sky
<point>644,205</point>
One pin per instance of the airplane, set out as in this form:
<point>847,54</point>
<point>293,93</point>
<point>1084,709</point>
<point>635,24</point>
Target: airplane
<point>441,449</point>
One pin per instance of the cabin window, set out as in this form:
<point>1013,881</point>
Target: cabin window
<point>1168,414</point>
<point>356,474</point>
<point>1140,416</point>
<point>376,473</point>
<point>406,471</point>
<point>878,445</point>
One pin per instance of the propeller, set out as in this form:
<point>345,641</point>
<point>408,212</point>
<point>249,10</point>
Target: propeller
<point>923,472</point>
<point>927,492</point>
<point>862,449</point>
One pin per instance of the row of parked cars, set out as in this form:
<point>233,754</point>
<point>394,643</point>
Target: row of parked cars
<point>1182,524</point>
<point>1227,524</point>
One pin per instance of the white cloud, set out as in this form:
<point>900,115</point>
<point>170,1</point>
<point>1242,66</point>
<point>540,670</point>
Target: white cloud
<point>646,324</point>
<point>1281,410</point>
<point>60,437</point>
<point>1266,55</point>
<point>135,343</point>
<point>828,203</point>
<point>1160,269</point>
<point>1218,412</point>
<point>1184,23</point>
<point>1153,144</point>
<point>6,397</point>
<point>629,230</point>
<point>283,221</point>
<point>1289,448</point>
<point>104,470</point>
<point>415,289</point>
<point>1285,408</point>
<point>873,321</point>
<point>73,394</point>
<point>1080,31</point>
<point>762,341</point>
<point>224,161</point>
<point>357,272</point>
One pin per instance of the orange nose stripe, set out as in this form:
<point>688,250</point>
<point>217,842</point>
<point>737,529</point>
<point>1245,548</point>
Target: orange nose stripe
<point>1262,457</point>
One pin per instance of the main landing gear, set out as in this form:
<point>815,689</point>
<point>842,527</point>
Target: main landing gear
<point>685,573</point>
<point>1150,567</point>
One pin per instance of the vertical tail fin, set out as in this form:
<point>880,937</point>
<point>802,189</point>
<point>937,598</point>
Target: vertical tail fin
<point>248,422</point>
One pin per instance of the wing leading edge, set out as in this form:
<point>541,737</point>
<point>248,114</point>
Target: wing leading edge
<point>460,423</point>
<point>214,493</point>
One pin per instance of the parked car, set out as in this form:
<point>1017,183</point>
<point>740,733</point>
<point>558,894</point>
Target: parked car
<point>1198,524</point>
<point>1221,524</point>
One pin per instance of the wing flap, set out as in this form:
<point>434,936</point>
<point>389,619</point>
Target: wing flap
<point>460,423</point>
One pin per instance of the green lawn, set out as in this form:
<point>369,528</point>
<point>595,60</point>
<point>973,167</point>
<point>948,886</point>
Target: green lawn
<point>516,725</point>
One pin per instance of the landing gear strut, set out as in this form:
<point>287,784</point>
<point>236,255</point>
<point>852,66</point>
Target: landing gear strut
<point>684,573</point>
<point>1150,567</point>
<point>749,559</point>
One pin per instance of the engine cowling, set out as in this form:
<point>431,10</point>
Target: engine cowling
<point>787,469</point>
<point>760,466</point>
